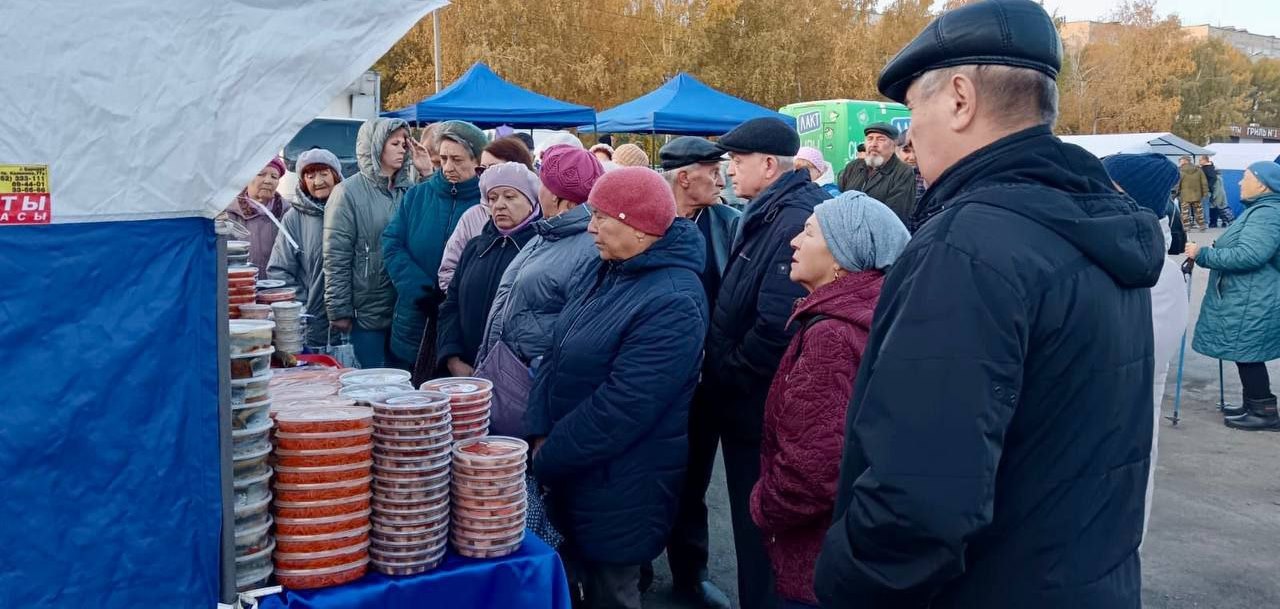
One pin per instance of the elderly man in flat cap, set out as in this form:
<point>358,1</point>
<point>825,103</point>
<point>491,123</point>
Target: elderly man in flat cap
<point>881,173</point>
<point>999,436</point>
<point>749,329</point>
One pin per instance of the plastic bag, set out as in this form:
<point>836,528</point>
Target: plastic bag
<point>343,350</point>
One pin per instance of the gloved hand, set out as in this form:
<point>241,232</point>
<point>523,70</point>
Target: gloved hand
<point>429,302</point>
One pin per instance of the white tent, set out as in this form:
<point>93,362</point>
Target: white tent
<point>1240,156</point>
<point>125,126</point>
<point>1167,144</point>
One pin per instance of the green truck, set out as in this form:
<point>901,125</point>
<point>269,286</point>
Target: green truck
<point>835,126</point>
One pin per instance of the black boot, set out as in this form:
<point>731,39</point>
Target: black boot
<point>1232,410</point>
<point>704,594</point>
<point>1261,416</point>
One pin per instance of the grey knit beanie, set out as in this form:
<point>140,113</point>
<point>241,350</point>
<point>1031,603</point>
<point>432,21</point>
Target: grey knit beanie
<point>861,232</point>
<point>464,133</point>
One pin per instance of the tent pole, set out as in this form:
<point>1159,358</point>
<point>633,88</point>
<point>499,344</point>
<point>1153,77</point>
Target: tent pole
<point>435,35</point>
<point>227,570</point>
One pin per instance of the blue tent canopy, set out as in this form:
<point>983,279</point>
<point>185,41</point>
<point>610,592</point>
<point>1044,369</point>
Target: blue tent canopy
<point>682,106</point>
<point>483,98</point>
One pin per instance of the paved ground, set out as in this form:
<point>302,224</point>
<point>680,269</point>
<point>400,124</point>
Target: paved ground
<point>1214,540</point>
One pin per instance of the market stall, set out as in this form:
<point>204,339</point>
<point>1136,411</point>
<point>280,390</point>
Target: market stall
<point>1166,144</point>
<point>681,106</point>
<point>140,447</point>
<point>1231,161</point>
<point>485,99</point>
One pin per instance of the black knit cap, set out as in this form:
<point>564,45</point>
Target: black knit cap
<point>1016,33</point>
<point>765,135</point>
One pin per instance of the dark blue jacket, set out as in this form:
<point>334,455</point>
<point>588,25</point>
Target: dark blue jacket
<point>475,282</point>
<point>612,398</point>
<point>749,325</point>
<point>999,435</point>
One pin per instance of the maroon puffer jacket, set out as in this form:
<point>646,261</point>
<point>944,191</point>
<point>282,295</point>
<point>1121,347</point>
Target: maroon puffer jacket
<point>804,427</point>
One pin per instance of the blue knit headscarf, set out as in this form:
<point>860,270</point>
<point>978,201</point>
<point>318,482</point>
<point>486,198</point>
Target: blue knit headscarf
<point>861,232</point>
<point>1268,173</point>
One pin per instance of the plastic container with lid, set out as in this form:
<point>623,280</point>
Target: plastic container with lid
<point>320,543</point>
<point>249,365</point>
<point>432,515</point>
<point>247,271</point>
<point>251,390</point>
<point>325,456</point>
<point>479,539</point>
<point>469,431</point>
<point>275,295</point>
<point>318,526</point>
<point>488,472</point>
<point>406,439</point>
<point>241,299</point>
<point>462,390</point>
<point>471,412</point>
<point>397,569</point>
<point>250,335</point>
<point>427,472</point>
<point>294,561</point>
<point>323,508</point>
<point>426,493</point>
<point>413,424</point>
<point>414,403</point>
<point>432,481</point>
<point>487,523</point>
<point>460,510</point>
<point>427,500</point>
<point>515,498</point>
<point>324,440</point>
<point>422,535</point>
<point>384,526</point>
<point>463,488</point>
<point>305,579</point>
<point>249,458</point>
<point>487,552</point>
<point>254,488</point>
<point>367,394</point>
<point>250,511</point>
<point>509,526</point>
<point>319,492</point>
<point>469,418</point>
<point>270,284</point>
<point>286,310</point>
<point>492,451</point>
<point>323,473</point>
<point>375,376</point>
<point>319,420</point>
<point>286,399</point>
<point>247,416</point>
<point>413,461</point>
<point>255,311</point>
<point>408,554</point>
<point>238,247</point>
<point>253,538</point>
<point>257,560</point>
<point>252,580</point>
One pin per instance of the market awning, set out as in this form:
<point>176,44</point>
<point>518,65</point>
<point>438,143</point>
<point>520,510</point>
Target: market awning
<point>484,98</point>
<point>682,106</point>
<point>1167,144</point>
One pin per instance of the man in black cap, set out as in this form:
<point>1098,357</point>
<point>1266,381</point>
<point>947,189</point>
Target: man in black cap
<point>881,174</point>
<point>748,331</point>
<point>692,166</point>
<point>998,439</point>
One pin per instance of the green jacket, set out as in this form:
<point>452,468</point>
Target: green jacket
<point>413,246</point>
<point>1240,316</point>
<point>1192,186</point>
<point>356,285</point>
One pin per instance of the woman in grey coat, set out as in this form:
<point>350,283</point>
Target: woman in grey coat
<point>297,258</point>
<point>359,295</point>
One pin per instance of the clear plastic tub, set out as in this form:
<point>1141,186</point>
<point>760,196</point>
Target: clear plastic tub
<point>250,335</point>
<point>322,559</point>
<point>320,543</point>
<point>257,560</point>
<point>251,512</point>
<point>248,459</point>
<point>365,395</point>
<point>324,440</point>
<point>421,534</point>
<point>249,365</point>
<point>467,431</point>
<point>395,569</point>
<point>276,295</point>
<point>432,493</point>
<point>480,540</point>
<point>324,419</point>
<point>493,451</point>
<point>252,580</point>
<point>254,488</point>
<point>515,499</point>
<point>285,310</point>
<point>427,472</point>
<point>346,455</point>
<point>432,499</point>
<point>323,474</point>
<point>420,403</point>
<point>462,389</point>
<point>251,390</point>
<point>487,524</point>
<point>432,438</point>
<point>248,416</point>
<point>319,492</point>
<point>470,435</point>
<point>407,554</point>
<point>324,508</point>
<point>384,526</point>
<point>410,516</point>
<point>461,511</point>
<point>255,311</point>
<point>463,488</point>
<point>251,539</point>
<point>471,412</point>
<point>375,376</point>
<point>238,247</point>
<point>247,271</point>
<point>319,526</point>
<point>412,459</point>
<point>270,284</point>
<point>411,424</point>
<point>429,482</point>
<point>488,473</point>
<point>504,526</point>
<point>469,418</point>
<point>305,579</point>
<point>487,552</point>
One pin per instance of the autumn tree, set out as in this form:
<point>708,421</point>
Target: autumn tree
<point>1215,95</point>
<point>1263,105</point>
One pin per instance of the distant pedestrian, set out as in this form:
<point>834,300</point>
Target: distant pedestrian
<point>256,208</point>
<point>839,259</point>
<point>999,436</point>
<point>1239,319</point>
<point>882,175</point>
<point>1193,187</point>
<point>810,159</point>
<point>630,155</point>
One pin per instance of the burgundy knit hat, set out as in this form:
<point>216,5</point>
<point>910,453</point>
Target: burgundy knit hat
<point>638,197</point>
<point>569,173</point>
<point>278,163</point>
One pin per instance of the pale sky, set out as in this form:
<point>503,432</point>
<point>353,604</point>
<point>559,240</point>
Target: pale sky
<point>1257,16</point>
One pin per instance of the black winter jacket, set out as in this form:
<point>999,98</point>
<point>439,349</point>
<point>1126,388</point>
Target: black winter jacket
<point>999,435</point>
<point>465,311</point>
<point>749,325</point>
<point>612,398</point>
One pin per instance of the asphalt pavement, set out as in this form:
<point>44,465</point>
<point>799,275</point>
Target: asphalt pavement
<point>1214,537</point>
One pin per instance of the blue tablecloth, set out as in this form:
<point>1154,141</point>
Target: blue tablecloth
<point>532,578</point>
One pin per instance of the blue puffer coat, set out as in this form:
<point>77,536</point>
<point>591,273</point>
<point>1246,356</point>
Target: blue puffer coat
<point>412,247</point>
<point>612,398</point>
<point>1240,317</point>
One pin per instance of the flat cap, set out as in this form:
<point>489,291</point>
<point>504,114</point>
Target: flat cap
<point>1016,33</point>
<point>687,150</point>
<point>884,129</point>
<point>766,135</point>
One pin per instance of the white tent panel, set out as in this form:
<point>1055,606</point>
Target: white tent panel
<point>1167,144</point>
<point>145,109</point>
<point>1241,156</point>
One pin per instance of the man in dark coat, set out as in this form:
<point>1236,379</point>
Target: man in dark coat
<point>749,323</point>
<point>882,174</point>
<point>999,436</point>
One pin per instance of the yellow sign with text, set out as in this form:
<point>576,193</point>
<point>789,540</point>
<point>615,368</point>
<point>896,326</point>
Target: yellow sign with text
<point>24,194</point>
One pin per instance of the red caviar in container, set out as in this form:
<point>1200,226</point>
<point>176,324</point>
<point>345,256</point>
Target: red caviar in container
<point>323,508</point>
<point>324,558</point>
<point>461,510</point>
<point>490,523</point>
<point>462,390</point>
<point>322,474</point>
<point>319,420</point>
<point>320,543</point>
<point>499,471</point>
<point>319,526</point>
<point>305,579</point>
<point>319,492</point>
<point>321,441</point>
<point>463,488</point>
<point>491,451</point>
<point>325,456</point>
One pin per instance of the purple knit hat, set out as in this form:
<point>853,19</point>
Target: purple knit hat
<point>569,173</point>
<point>517,176</point>
<point>278,163</point>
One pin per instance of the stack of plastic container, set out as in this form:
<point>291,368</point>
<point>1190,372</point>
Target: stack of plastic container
<point>412,441</point>
<point>323,460</point>
<point>288,318</point>
<point>469,400</point>
<point>489,500</point>
<point>242,280</point>
<point>250,447</point>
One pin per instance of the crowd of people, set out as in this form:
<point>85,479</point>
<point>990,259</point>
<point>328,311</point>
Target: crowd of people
<point>931,376</point>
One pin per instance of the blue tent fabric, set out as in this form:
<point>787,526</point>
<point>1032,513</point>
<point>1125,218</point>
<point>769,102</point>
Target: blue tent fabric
<point>109,445</point>
<point>484,98</point>
<point>682,106</point>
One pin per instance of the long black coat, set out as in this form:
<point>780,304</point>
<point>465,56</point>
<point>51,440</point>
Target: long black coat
<point>999,436</point>
<point>465,310</point>
<point>749,324</point>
